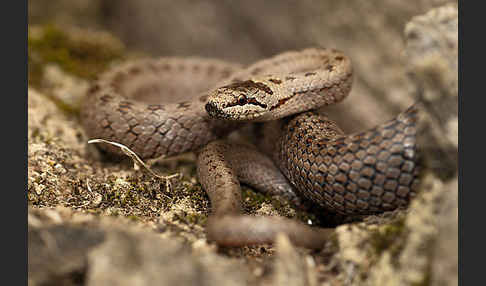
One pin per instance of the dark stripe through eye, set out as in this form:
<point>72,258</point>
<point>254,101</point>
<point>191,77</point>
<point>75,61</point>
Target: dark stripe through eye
<point>255,102</point>
<point>242,100</point>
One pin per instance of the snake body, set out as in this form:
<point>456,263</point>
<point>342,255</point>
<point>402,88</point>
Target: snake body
<point>307,154</point>
<point>154,107</point>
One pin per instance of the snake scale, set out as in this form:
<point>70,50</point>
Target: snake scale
<point>166,106</point>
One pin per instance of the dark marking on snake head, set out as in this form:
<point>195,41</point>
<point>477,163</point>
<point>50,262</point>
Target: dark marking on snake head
<point>275,81</point>
<point>289,78</point>
<point>243,100</point>
<point>247,85</point>
<point>339,58</point>
<point>330,68</point>
<point>253,101</point>
<point>309,74</point>
<point>280,103</point>
<point>214,111</point>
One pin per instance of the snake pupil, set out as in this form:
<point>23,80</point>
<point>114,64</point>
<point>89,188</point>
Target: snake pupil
<point>242,100</point>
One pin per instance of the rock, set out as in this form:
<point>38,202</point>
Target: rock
<point>125,259</point>
<point>58,253</point>
<point>75,12</point>
<point>46,122</point>
<point>445,249</point>
<point>55,150</point>
<point>93,255</point>
<point>64,87</point>
<point>432,49</point>
<point>292,268</point>
<point>62,59</point>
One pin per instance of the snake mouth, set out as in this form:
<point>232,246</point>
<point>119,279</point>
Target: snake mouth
<point>215,111</point>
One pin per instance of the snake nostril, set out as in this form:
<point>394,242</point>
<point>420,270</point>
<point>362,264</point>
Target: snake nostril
<point>211,108</point>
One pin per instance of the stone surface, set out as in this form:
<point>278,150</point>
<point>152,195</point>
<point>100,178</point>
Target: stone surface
<point>432,50</point>
<point>292,267</point>
<point>97,254</point>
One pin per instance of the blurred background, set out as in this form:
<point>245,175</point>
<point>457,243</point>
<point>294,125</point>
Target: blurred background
<point>369,32</point>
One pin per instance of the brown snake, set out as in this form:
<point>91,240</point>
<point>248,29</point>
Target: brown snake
<point>173,105</point>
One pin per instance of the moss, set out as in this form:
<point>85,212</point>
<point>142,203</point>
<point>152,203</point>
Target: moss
<point>196,193</point>
<point>82,53</point>
<point>115,213</point>
<point>389,237</point>
<point>253,200</point>
<point>133,218</point>
<point>190,218</point>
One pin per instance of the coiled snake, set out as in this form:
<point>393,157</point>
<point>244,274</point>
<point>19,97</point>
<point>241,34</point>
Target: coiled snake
<point>173,105</point>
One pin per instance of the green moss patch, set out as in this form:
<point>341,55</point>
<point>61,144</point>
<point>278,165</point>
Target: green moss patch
<point>390,237</point>
<point>83,53</point>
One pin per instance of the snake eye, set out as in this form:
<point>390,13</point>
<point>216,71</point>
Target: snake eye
<point>242,100</point>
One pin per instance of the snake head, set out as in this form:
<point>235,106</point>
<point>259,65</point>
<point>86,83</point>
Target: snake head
<point>245,100</point>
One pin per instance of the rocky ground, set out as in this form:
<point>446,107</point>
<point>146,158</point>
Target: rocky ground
<point>97,221</point>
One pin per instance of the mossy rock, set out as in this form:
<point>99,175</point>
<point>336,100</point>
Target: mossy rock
<point>83,53</point>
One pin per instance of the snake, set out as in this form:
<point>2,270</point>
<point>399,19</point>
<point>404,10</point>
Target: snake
<point>171,105</point>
